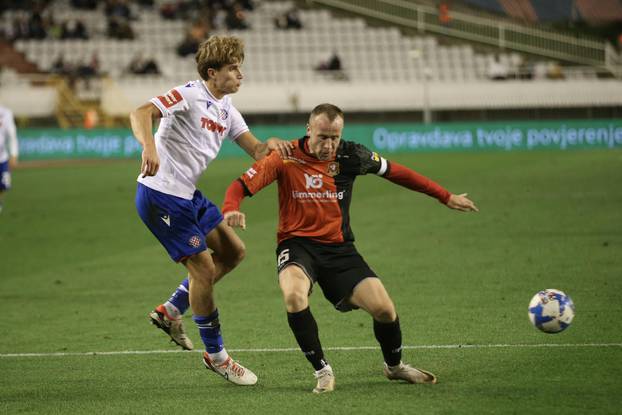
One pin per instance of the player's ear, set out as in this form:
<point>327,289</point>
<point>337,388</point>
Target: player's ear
<point>308,129</point>
<point>211,72</point>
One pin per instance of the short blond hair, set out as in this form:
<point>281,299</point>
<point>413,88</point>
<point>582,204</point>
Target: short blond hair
<point>218,51</point>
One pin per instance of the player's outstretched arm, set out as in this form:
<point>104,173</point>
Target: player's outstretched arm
<point>461,202</point>
<point>141,120</point>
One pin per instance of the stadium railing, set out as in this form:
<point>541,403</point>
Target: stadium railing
<point>540,41</point>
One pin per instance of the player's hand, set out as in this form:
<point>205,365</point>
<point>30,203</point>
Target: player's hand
<point>235,219</point>
<point>151,162</point>
<point>462,203</point>
<point>12,162</point>
<point>285,148</point>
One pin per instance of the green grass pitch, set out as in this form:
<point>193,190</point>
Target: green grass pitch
<point>79,272</point>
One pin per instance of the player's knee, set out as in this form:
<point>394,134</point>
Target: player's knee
<point>201,270</point>
<point>295,300</point>
<point>239,254</point>
<point>384,313</point>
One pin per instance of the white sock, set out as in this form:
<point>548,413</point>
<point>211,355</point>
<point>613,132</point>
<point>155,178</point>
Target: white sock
<point>220,357</point>
<point>173,312</point>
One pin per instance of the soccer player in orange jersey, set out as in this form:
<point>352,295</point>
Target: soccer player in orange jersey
<point>315,242</point>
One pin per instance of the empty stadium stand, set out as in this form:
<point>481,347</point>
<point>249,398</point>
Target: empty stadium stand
<point>383,69</point>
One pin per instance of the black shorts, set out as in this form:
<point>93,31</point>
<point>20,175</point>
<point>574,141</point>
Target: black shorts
<point>338,268</point>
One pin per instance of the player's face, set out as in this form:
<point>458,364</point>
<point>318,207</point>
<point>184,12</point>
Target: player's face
<point>226,80</point>
<point>324,136</point>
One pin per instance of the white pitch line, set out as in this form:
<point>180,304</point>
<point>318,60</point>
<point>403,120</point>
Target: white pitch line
<point>294,349</point>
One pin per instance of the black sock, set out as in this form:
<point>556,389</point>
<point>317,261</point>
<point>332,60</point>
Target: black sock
<point>305,330</point>
<point>389,335</point>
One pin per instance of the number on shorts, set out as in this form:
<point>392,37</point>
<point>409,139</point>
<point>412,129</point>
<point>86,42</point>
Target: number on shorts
<point>283,257</point>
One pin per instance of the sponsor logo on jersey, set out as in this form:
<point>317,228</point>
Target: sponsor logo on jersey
<point>212,125</point>
<point>333,169</point>
<point>171,98</point>
<point>195,241</point>
<point>375,157</point>
<point>322,196</point>
<point>209,104</point>
<point>313,181</point>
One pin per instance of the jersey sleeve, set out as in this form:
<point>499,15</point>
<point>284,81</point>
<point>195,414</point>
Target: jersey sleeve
<point>368,161</point>
<point>171,102</point>
<point>262,173</point>
<point>238,125</point>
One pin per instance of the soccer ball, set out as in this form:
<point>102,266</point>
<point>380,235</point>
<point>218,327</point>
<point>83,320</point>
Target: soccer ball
<point>551,311</point>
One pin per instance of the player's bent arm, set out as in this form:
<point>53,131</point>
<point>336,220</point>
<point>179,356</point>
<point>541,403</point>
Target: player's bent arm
<point>258,150</point>
<point>231,205</point>
<point>141,120</point>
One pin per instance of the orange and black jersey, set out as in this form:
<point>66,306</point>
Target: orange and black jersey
<point>315,195</point>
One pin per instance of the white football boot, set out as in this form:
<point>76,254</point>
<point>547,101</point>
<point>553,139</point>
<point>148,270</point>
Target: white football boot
<point>231,370</point>
<point>173,327</point>
<point>408,373</point>
<point>325,380</point>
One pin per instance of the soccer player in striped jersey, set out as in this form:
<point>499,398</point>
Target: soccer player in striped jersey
<point>195,119</point>
<point>316,244</point>
<point>9,151</point>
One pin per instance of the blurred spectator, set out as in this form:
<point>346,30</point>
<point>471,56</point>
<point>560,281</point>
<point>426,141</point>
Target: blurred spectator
<point>145,3</point>
<point>20,28</point>
<point>245,4</point>
<point>90,68</point>
<point>332,64</point>
<point>119,28</point>
<point>118,8</point>
<point>554,71</point>
<point>55,30</point>
<point>497,69</point>
<point>198,33</point>
<point>84,4</point>
<point>73,29</point>
<point>288,20</point>
<point>236,18</point>
<point>60,66</point>
<point>444,16</point>
<point>36,28</point>
<point>143,66</point>
<point>333,68</point>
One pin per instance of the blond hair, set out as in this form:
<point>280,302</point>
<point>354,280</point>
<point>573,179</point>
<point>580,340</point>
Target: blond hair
<point>218,51</point>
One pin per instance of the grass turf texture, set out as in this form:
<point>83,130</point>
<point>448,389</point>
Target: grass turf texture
<point>79,272</point>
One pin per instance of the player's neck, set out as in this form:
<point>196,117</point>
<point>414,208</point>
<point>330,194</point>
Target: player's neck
<point>215,92</point>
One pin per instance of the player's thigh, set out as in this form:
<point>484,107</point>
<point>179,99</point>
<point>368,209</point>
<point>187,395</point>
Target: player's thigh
<point>371,296</point>
<point>295,286</point>
<point>293,279</point>
<point>225,243</point>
